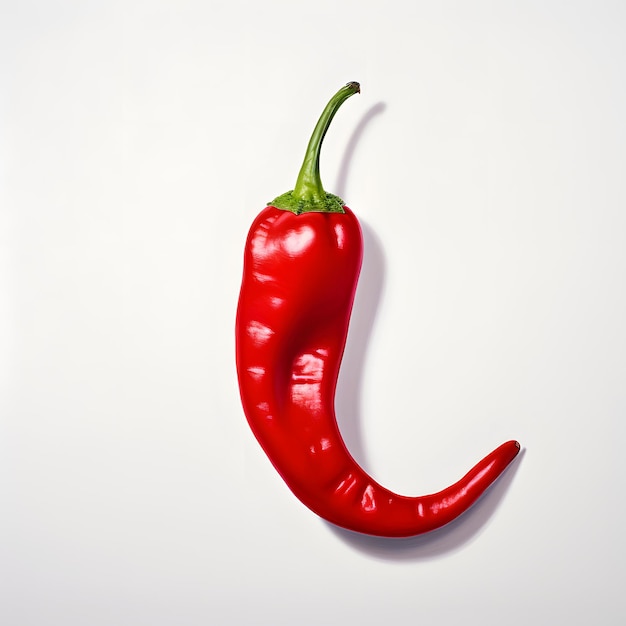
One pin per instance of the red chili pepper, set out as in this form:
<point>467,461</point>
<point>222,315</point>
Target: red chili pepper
<point>301,266</point>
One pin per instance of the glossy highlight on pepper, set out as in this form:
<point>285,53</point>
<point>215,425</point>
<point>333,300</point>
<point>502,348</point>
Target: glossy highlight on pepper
<point>301,266</point>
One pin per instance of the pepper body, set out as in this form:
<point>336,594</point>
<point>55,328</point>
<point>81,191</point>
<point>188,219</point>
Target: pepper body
<point>299,282</point>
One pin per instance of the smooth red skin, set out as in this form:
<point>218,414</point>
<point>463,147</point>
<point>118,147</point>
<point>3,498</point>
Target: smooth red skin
<point>299,281</point>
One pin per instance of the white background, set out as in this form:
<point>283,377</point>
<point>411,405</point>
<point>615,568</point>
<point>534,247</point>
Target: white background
<point>486,159</point>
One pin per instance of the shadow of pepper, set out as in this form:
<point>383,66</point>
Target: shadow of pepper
<point>468,526</point>
<point>355,138</point>
<point>350,383</point>
<point>368,297</point>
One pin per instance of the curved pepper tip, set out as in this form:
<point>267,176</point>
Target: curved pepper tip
<point>509,450</point>
<point>514,448</point>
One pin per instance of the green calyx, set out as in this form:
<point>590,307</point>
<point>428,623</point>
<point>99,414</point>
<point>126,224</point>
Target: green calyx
<point>308,195</point>
<point>327,203</point>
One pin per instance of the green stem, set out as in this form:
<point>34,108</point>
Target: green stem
<point>308,194</point>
